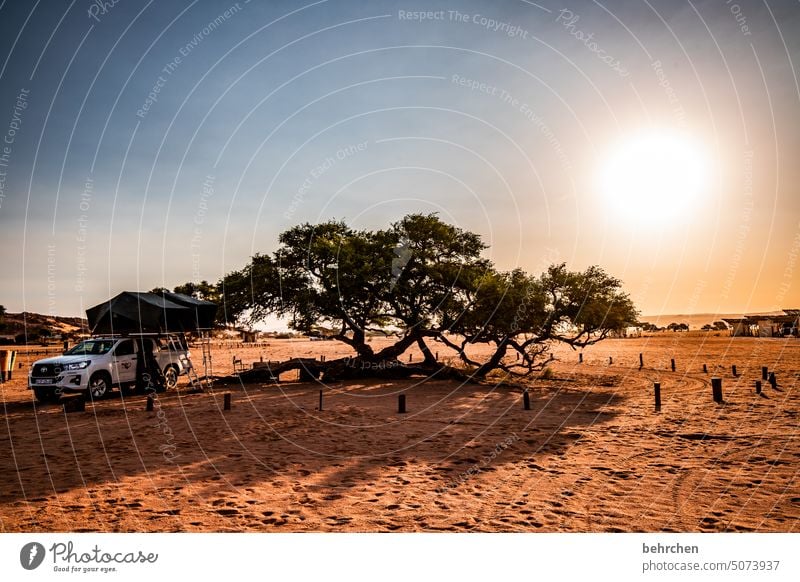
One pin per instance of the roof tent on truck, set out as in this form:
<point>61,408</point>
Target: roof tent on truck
<point>135,312</point>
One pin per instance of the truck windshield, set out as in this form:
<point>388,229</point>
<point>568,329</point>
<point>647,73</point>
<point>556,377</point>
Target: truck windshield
<point>95,347</point>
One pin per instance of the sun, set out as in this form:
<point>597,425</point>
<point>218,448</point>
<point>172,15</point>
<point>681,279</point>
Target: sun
<point>654,177</point>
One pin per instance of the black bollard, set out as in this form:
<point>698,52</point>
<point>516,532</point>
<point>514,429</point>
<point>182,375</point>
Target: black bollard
<point>580,358</point>
<point>758,386</point>
<point>150,403</point>
<point>610,360</point>
<point>657,394</point>
<point>733,369</point>
<point>641,361</point>
<point>320,399</point>
<point>226,401</point>
<point>705,369</point>
<point>764,372</point>
<point>401,404</point>
<point>526,400</point>
<point>772,380</point>
<point>672,363</point>
<point>74,403</point>
<point>716,389</point>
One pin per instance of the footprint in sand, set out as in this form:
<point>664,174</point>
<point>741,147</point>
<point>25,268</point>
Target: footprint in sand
<point>338,520</point>
<point>273,521</point>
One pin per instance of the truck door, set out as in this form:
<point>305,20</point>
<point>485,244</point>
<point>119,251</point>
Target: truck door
<point>123,363</point>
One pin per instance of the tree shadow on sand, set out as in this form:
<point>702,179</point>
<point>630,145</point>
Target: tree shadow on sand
<point>275,436</point>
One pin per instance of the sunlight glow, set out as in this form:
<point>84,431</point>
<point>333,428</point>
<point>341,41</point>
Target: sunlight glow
<point>655,177</point>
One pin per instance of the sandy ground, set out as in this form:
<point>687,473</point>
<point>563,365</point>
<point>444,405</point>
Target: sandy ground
<point>590,455</point>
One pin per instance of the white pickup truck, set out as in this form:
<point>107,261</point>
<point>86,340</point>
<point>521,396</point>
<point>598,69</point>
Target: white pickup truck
<point>97,364</point>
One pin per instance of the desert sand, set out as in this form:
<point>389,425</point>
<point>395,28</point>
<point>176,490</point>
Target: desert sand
<point>591,455</point>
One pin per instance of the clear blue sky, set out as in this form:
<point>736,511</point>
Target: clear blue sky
<point>157,143</point>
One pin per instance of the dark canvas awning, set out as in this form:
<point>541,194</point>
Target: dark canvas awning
<point>134,312</point>
<point>204,312</point>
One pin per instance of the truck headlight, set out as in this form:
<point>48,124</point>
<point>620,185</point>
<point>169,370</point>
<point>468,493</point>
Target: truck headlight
<point>75,366</point>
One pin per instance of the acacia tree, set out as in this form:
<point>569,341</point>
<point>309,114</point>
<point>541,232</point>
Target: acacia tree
<point>521,315</point>
<point>422,280</point>
<point>202,290</point>
<point>435,267</point>
<point>355,283</point>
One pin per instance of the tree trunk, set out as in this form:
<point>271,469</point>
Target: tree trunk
<point>395,350</point>
<point>358,342</point>
<point>494,361</point>
<point>430,359</point>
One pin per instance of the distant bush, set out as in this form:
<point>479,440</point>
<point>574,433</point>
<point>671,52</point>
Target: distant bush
<point>650,327</point>
<point>678,327</point>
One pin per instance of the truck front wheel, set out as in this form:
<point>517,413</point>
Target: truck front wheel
<point>99,385</point>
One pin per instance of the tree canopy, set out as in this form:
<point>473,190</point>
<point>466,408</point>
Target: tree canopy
<point>419,281</point>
